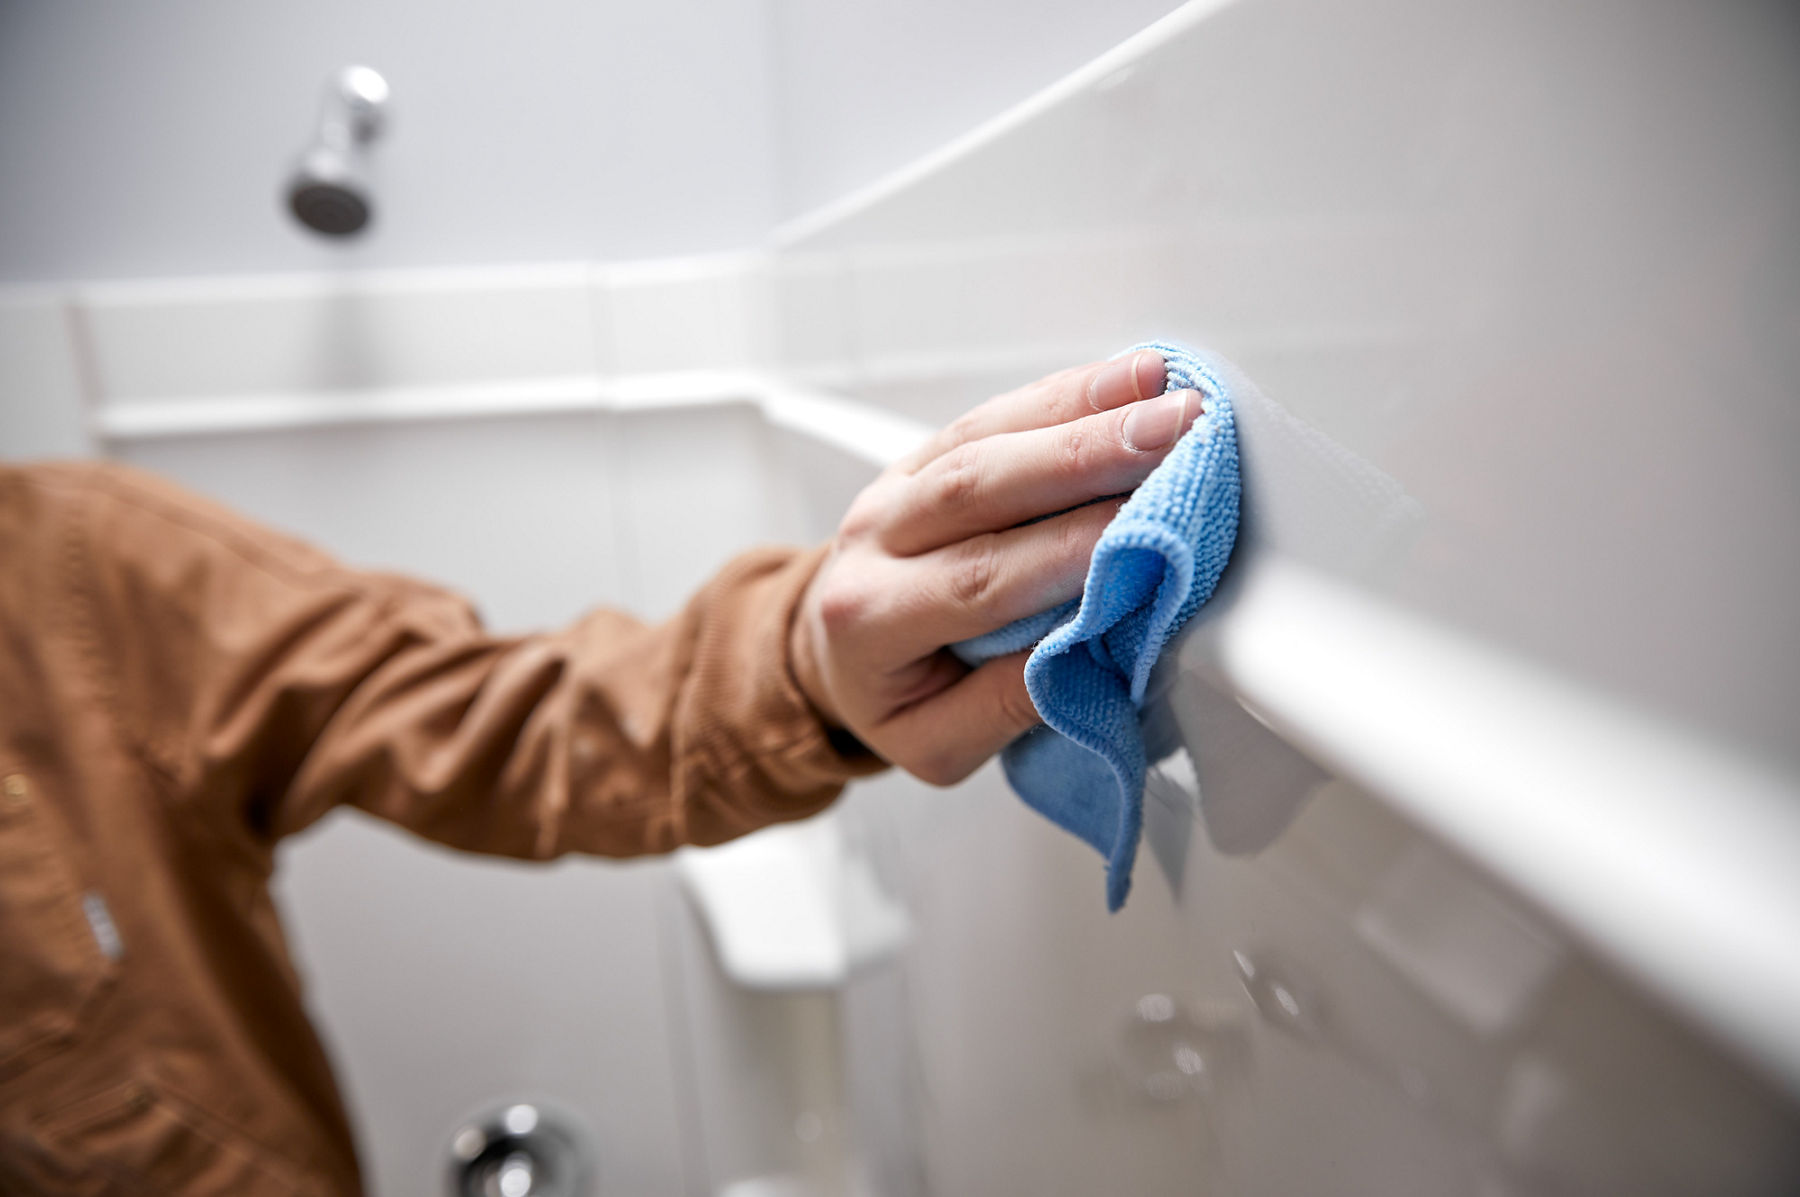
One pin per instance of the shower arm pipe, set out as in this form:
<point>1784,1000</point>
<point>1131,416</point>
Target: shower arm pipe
<point>330,190</point>
<point>355,112</point>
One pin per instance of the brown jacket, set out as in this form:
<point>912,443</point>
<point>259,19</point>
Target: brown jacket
<point>179,689</point>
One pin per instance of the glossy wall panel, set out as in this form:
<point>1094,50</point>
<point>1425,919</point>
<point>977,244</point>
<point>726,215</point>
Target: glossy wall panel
<point>1518,283</point>
<point>1342,1005</point>
<point>1534,262</point>
<point>511,513</point>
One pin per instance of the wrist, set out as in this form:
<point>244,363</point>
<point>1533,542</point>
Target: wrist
<point>804,660</point>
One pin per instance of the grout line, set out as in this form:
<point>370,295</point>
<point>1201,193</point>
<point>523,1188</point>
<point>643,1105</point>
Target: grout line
<point>87,371</point>
<point>673,931</point>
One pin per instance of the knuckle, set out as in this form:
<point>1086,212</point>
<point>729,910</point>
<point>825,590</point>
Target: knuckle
<point>843,605</point>
<point>1074,450</point>
<point>959,478</point>
<point>965,428</point>
<point>1048,397</point>
<point>1075,538</point>
<point>974,572</point>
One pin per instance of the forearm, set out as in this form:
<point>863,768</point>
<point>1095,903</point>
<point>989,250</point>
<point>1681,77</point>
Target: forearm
<point>610,737</point>
<point>269,684</point>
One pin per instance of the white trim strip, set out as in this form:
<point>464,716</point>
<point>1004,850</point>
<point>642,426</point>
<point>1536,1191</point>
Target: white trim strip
<point>494,279</point>
<point>1127,52</point>
<point>870,434</point>
<point>157,418</point>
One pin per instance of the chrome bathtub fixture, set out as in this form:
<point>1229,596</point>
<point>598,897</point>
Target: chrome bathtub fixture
<point>518,1150</point>
<point>1285,1001</point>
<point>330,191</point>
<point>1169,1051</point>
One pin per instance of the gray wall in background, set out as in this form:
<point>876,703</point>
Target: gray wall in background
<point>152,139</point>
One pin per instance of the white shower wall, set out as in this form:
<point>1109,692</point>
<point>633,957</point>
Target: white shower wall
<point>153,139</point>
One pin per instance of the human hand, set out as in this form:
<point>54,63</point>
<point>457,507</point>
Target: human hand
<point>941,547</point>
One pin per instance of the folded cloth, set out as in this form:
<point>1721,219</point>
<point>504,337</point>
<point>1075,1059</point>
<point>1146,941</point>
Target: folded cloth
<point>1154,565</point>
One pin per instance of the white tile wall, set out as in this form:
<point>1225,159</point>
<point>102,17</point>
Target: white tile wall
<point>447,982</point>
<point>686,314</point>
<point>308,334</point>
<point>696,487</point>
<point>519,514</point>
<point>814,331</point>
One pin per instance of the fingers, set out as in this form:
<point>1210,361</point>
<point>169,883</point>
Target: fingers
<point>993,521</point>
<point>948,736</point>
<point>1005,480</point>
<point>913,606</point>
<point>1061,397</point>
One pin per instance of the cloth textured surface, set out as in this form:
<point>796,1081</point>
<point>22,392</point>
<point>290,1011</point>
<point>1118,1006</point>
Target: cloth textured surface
<point>1153,567</point>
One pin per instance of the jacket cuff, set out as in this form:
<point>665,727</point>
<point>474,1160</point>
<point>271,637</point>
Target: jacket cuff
<point>767,748</point>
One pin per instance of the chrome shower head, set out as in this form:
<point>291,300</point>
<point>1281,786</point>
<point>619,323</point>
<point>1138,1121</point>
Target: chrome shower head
<point>330,190</point>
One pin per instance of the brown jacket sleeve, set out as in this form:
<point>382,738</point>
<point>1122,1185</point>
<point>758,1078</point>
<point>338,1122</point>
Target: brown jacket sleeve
<point>265,684</point>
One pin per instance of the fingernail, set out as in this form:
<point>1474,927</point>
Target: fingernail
<point>1156,423</point>
<point>1124,381</point>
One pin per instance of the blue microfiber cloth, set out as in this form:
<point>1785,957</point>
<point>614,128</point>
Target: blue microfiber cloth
<point>1154,565</point>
